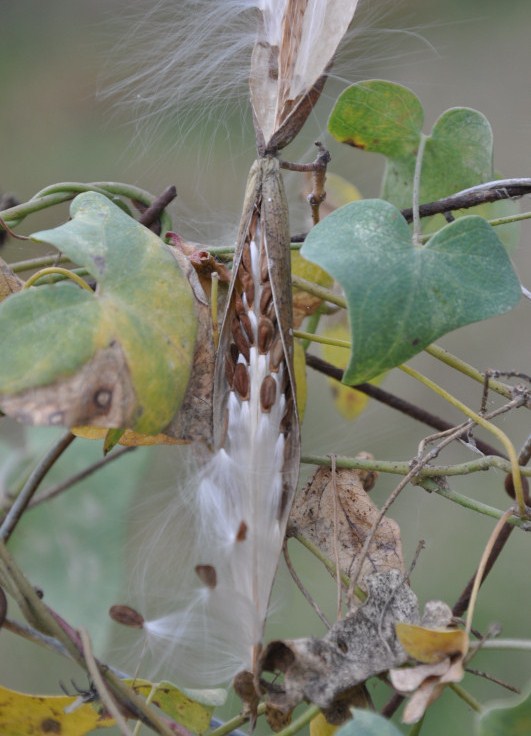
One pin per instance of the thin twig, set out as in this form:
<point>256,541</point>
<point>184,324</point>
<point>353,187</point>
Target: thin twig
<point>24,497</point>
<point>394,402</point>
<point>56,490</point>
<point>336,534</point>
<point>151,215</point>
<point>482,566</point>
<point>487,676</point>
<point>298,582</point>
<point>491,191</point>
<point>105,696</point>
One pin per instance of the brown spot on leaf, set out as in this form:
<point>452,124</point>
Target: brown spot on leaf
<point>50,725</point>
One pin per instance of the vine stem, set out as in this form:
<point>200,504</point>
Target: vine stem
<point>24,497</point>
<point>478,419</point>
<point>417,227</point>
<point>481,567</point>
<point>65,272</point>
<point>236,722</point>
<point>401,468</point>
<point>434,350</point>
<point>106,698</point>
<point>299,723</point>
<point>466,696</point>
<point>510,644</point>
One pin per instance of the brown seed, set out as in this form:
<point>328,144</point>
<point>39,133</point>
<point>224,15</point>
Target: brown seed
<point>240,381</point>
<point>229,368</point>
<point>266,333</point>
<point>239,339</point>
<point>126,616</point>
<point>247,285</point>
<point>265,298</point>
<point>264,266</point>
<point>268,393</point>
<point>241,535</point>
<point>246,258</point>
<point>207,575</point>
<point>247,327</point>
<point>276,354</point>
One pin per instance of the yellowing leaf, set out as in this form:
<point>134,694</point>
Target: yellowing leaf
<point>33,715</point>
<point>348,401</point>
<point>431,645</point>
<point>129,438</point>
<point>120,356</point>
<point>319,726</point>
<point>9,281</point>
<point>174,703</point>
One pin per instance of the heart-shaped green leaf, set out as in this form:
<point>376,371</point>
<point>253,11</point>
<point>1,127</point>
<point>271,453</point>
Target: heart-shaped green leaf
<point>401,297</point>
<point>387,118</point>
<point>119,357</point>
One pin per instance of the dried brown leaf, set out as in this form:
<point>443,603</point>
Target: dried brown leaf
<point>9,281</point>
<point>328,671</point>
<point>313,516</point>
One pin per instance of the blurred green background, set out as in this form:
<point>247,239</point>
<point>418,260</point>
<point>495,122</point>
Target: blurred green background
<point>54,58</point>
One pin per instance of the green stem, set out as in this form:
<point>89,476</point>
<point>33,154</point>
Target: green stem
<point>26,494</point>
<point>510,218</point>
<point>325,294</point>
<point>511,644</point>
<point>415,730</point>
<point>65,191</point>
<point>299,723</point>
<point>235,722</point>
<point>417,225</point>
<point>468,370</point>
<point>472,504</point>
<point>464,695</point>
<point>311,337</point>
<point>478,419</point>
<point>32,263</point>
<point>64,272</point>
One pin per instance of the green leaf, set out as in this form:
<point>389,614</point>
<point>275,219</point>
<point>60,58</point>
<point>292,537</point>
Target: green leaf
<point>511,719</point>
<point>367,723</point>
<point>387,118</point>
<point>401,297</point>
<point>378,116</point>
<point>119,357</point>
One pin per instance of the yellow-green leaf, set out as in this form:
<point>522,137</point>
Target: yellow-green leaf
<point>119,357</point>
<point>43,715</point>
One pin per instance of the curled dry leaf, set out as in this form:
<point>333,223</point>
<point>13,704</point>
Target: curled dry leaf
<point>441,652</point>
<point>9,281</point>
<point>313,515</point>
<point>328,671</point>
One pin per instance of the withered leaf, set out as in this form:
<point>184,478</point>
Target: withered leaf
<point>136,332</point>
<point>9,281</point>
<point>313,516</point>
<point>327,671</point>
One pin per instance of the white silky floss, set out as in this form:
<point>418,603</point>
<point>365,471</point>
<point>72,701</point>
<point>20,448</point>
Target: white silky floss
<point>238,505</point>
